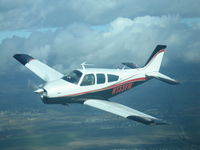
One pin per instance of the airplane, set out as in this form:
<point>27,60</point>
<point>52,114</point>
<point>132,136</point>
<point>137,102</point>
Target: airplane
<point>95,86</point>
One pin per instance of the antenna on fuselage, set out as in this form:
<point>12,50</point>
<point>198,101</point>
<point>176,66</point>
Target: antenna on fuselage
<point>85,64</point>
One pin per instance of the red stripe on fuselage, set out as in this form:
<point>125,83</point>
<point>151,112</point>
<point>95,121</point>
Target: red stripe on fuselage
<point>150,61</point>
<point>106,88</point>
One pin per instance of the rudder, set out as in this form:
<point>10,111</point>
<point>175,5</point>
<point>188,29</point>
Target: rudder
<point>155,60</point>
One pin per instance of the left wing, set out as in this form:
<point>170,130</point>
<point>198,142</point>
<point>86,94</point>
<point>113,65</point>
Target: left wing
<point>123,111</point>
<point>40,69</point>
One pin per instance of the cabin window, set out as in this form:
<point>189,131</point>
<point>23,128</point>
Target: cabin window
<point>88,79</point>
<point>112,78</point>
<point>73,77</point>
<point>101,78</point>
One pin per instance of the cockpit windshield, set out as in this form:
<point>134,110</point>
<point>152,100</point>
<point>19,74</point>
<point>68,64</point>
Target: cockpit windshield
<point>73,77</point>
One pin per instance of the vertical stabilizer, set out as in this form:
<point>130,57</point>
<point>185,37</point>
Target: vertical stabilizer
<point>153,64</point>
<point>155,60</point>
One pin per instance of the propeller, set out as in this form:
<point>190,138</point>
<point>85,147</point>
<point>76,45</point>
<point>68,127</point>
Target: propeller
<point>39,89</point>
<point>32,85</point>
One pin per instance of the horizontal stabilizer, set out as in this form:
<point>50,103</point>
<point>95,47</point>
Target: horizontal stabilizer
<point>162,77</point>
<point>123,111</point>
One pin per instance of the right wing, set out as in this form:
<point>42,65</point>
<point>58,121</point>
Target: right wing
<point>40,69</point>
<point>123,111</point>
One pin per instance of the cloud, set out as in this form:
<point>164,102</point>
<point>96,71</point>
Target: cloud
<point>124,40</point>
<point>44,13</point>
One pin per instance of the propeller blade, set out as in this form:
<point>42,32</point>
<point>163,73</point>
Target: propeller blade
<point>32,85</point>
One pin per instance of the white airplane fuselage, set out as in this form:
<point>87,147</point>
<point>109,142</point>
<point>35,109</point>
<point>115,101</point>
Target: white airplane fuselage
<point>63,92</point>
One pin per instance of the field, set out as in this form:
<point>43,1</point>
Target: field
<point>61,128</point>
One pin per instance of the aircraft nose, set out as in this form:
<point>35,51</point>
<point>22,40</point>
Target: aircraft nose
<point>49,90</point>
<point>41,91</point>
<point>55,88</point>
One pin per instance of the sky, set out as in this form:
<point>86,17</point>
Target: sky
<point>83,30</point>
<point>105,33</point>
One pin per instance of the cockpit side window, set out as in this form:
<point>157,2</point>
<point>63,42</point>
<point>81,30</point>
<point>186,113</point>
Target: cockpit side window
<point>101,78</point>
<point>88,79</point>
<point>112,78</point>
<point>73,77</point>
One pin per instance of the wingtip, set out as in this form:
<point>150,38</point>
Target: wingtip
<point>160,122</point>
<point>151,121</point>
<point>160,46</point>
<point>177,82</point>
<point>23,58</point>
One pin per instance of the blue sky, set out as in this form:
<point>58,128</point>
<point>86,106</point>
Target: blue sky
<point>22,33</point>
<point>9,34</point>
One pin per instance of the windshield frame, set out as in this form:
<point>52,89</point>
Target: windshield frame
<point>73,77</point>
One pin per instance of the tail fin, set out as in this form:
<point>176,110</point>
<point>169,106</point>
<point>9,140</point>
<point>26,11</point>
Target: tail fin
<point>154,61</point>
<point>152,66</point>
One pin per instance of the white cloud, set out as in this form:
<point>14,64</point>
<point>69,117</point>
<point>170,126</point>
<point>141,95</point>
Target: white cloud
<point>25,14</point>
<point>124,40</point>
